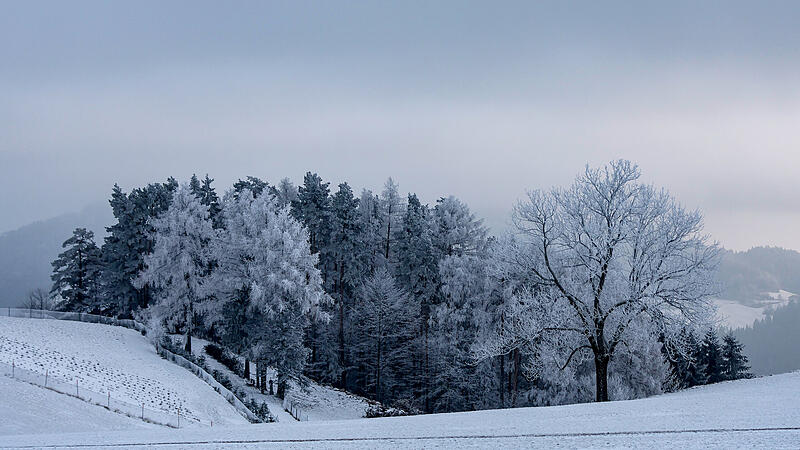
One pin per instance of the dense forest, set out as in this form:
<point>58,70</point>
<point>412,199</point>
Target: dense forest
<point>599,292</point>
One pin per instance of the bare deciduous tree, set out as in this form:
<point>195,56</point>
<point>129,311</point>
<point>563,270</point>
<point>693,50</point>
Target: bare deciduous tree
<point>598,257</point>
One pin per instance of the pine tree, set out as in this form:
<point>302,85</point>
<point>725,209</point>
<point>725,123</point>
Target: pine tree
<point>383,340</point>
<point>128,241</point>
<point>76,272</point>
<point>734,362</point>
<point>178,265</point>
<point>711,358</point>
<point>313,209</point>
<point>391,208</point>
<point>344,254</point>
<point>457,231</point>
<point>416,272</point>
<point>208,196</point>
<point>286,192</point>
<point>254,185</point>
<point>371,250</point>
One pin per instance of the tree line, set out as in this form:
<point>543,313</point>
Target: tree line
<point>413,305</point>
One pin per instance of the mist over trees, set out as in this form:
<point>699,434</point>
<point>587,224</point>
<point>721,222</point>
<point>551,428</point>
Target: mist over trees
<point>595,295</point>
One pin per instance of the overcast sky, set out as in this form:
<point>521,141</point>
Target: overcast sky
<point>478,100</point>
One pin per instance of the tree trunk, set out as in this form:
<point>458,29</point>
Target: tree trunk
<point>247,369</point>
<point>342,361</point>
<point>188,345</point>
<point>502,379</point>
<point>601,377</point>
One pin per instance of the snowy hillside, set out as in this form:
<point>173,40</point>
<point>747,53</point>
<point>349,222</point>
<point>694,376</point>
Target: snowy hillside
<point>115,360</point>
<point>760,413</point>
<point>735,314</point>
<point>26,408</point>
<point>313,402</point>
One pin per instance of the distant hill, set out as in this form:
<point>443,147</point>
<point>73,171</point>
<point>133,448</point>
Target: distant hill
<point>771,343</point>
<point>756,282</point>
<point>748,276</point>
<point>26,253</point>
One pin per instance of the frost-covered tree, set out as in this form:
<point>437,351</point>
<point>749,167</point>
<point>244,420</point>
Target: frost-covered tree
<point>457,231</point>
<point>600,255</point>
<point>285,192</point>
<point>383,338</point>
<point>459,383</point>
<point>344,252</point>
<point>76,272</point>
<point>371,251</point>
<point>416,272</point>
<point>313,209</point>
<point>179,265</point>
<point>391,208</point>
<point>266,268</point>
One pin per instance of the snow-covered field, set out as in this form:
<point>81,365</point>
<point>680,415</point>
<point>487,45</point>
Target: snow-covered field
<point>26,408</point>
<point>105,358</point>
<point>758,413</point>
<point>734,314</point>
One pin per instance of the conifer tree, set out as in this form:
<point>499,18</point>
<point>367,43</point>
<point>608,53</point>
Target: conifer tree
<point>711,358</point>
<point>313,209</point>
<point>344,254</point>
<point>76,272</point>
<point>416,272</point>
<point>128,241</point>
<point>734,362</point>
<point>383,340</point>
<point>178,265</point>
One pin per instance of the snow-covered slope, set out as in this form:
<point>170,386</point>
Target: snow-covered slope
<point>104,358</point>
<point>758,413</point>
<point>734,314</point>
<point>26,408</point>
<point>313,402</point>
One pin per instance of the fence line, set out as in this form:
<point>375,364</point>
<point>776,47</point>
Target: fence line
<point>106,400</point>
<point>237,404</point>
<point>294,410</point>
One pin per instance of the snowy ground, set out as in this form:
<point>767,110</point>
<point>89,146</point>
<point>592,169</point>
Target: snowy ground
<point>26,408</point>
<point>735,315</point>
<point>105,358</point>
<point>758,413</point>
<point>315,402</point>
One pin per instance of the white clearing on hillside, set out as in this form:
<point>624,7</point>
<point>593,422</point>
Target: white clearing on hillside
<point>315,402</point>
<point>734,314</point>
<point>105,358</point>
<point>761,413</point>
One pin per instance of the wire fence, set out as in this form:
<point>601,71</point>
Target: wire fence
<point>105,399</point>
<point>240,407</point>
<point>294,410</point>
<point>76,316</point>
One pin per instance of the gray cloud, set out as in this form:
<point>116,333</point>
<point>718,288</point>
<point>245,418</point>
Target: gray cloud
<point>482,101</point>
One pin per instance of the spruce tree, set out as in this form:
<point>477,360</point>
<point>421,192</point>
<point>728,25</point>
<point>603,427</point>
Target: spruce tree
<point>711,358</point>
<point>416,271</point>
<point>128,241</point>
<point>76,272</point>
<point>734,362</point>
<point>344,254</point>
